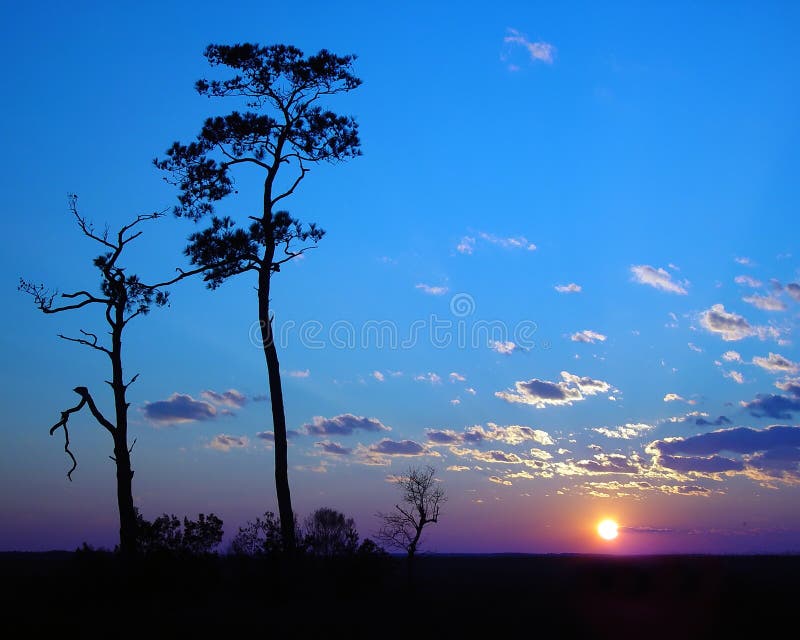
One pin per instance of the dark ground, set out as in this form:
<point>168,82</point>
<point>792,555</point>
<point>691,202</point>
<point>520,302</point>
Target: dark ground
<point>94,595</point>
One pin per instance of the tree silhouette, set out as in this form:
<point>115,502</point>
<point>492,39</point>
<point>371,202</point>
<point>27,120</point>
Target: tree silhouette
<point>122,298</point>
<point>421,499</point>
<point>282,133</point>
<point>165,535</point>
<point>330,533</point>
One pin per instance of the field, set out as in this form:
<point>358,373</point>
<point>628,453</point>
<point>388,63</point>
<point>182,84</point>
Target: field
<point>93,595</point>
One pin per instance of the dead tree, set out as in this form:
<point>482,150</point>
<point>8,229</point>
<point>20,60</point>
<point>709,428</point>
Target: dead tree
<point>122,298</point>
<point>422,497</point>
<point>284,132</point>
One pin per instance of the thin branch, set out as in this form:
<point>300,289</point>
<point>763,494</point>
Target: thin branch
<point>63,423</point>
<point>93,344</point>
<point>286,194</point>
<point>132,380</point>
<point>230,163</point>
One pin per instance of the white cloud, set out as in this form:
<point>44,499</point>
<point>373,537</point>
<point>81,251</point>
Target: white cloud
<point>225,443</point>
<point>455,402</point>
<point>457,377</point>
<point>728,325</point>
<point>625,431</point>
<point>748,281</point>
<point>432,290</point>
<point>506,348</point>
<point>776,363</point>
<point>674,397</point>
<point>743,260</point>
<point>588,336</point>
<point>656,278</point>
<point>541,51</point>
<point>568,288</point>
<point>541,393</point>
<point>302,373</point>
<point>471,391</point>
<point>732,356</point>
<point>512,242</point>
<point>466,245</point>
<point>378,376</point>
<point>230,398</point>
<point>695,348</point>
<point>430,377</point>
<point>765,303</point>
<point>736,376</point>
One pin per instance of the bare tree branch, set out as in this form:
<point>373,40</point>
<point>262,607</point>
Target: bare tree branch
<point>93,344</point>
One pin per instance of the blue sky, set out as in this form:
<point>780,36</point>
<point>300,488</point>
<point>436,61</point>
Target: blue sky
<point>647,155</point>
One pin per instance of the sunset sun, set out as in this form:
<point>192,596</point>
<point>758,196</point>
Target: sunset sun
<point>607,529</point>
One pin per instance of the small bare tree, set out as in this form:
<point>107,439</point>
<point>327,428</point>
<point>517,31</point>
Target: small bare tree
<point>122,298</point>
<point>422,498</point>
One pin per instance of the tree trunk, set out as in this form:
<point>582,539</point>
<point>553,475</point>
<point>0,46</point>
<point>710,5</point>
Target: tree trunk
<point>278,416</point>
<point>128,535</point>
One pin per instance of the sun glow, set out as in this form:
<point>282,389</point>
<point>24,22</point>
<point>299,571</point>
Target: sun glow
<point>607,529</point>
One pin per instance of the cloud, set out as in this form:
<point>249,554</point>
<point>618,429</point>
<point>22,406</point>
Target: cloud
<point>766,455</point>
<point>541,393</point>
<point>793,289</point>
<point>748,281</point>
<point>471,391</point>
<point>568,288</point>
<point>302,373</point>
<point>770,405</point>
<point>493,456</point>
<point>506,348</point>
<point>541,51</point>
<point>343,425</point>
<point>333,448</point>
<point>178,409</point>
<point>674,397</point>
<point>776,363</point>
<point>457,377</point>
<point>512,242</point>
<point>430,377</point>
<point>432,290</point>
<point>225,443</point>
<point>588,336</point>
<point>791,385</point>
<point>695,348</point>
<point>765,303</point>
<point>511,434</point>
<point>230,398</point>
<point>443,436</point>
<point>457,467</point>
<point>269,436</point>
<point>624,432</point>
<point>389,447</point>
<point>656,278</point>
<point>466,245</point>
<point>378,376</point>
<point>719,421</point>
<point>498,480</point>
<point>729,326</point>
<point>743,260</point>
<point>603,463</point>
<point>455,401</point>
<point>732,356</point>
<point>736,376</point>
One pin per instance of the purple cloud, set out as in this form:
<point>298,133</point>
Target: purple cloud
<point>343,425</point>
<point>178,409</point>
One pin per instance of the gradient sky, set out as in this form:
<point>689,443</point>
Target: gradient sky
<point>610,188</point>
